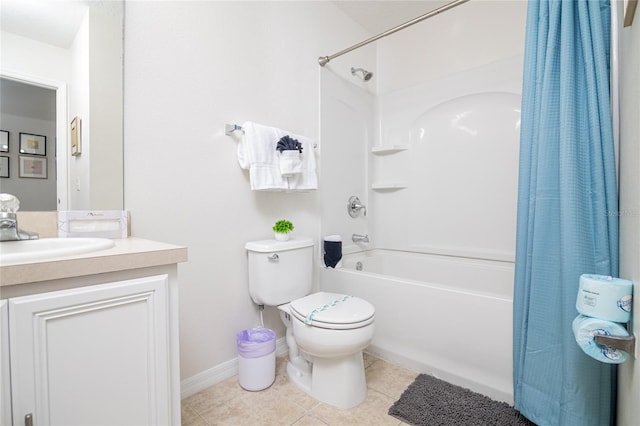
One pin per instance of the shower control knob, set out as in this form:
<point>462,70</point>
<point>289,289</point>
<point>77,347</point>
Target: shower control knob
<point>354,206</point>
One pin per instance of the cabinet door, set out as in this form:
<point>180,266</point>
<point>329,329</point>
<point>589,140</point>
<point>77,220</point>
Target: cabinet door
<point>95,355</point>
<point>5,375</point>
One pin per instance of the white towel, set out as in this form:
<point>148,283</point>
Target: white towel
<point>257,152</point>
<point>306,179</point>
<point>290,162</point>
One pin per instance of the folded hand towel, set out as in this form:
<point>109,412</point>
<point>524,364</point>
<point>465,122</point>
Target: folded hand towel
<point>287,143</point>
<point>306,179</point>
<point>290,163</point>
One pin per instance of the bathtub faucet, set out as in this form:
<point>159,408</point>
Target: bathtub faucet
<point>360,238</point>
<point>354,206</point>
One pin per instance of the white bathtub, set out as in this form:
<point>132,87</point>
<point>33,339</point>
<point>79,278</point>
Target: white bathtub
<point>442,315</point>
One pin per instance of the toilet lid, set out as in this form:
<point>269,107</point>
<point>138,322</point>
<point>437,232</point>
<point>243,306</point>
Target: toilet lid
<point>332,308</point>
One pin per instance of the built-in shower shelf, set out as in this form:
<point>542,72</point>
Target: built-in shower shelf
<point>388,186</point>
<point>388,149</point>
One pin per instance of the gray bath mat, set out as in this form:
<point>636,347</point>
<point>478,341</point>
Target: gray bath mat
<point>433,402</point>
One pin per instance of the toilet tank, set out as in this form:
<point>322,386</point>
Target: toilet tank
<point>280,271</point>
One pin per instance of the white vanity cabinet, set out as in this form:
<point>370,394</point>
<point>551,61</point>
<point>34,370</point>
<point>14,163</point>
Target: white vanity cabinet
<point>5,390</point>
<point>97,349</point>
<point>92,355</point>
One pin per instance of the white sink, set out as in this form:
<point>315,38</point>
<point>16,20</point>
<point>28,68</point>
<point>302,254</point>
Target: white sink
<point>49,248</point>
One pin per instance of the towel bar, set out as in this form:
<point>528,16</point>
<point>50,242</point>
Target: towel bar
<point>230,128</point>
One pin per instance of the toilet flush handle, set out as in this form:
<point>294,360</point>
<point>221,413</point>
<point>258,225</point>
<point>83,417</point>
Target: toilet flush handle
<point>274,257</point>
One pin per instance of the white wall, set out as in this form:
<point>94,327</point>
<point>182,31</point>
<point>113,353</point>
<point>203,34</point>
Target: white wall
<point>96,178</point>
<point>43,60</point>
<point>191,67</point>
<point>80,106</point>
<point>106,97</point>
<point>629,372</point>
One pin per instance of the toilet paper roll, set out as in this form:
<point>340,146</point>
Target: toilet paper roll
<point>332,248</point>
<point>605,297</point>
<point>586,328</point>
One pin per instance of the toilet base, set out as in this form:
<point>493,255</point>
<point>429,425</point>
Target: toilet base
<point>299,377</point>
<point>339,382</point>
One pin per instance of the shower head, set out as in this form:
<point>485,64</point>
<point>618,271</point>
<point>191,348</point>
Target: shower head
<point>366,75</point>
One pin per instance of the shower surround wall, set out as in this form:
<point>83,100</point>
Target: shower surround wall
<point>454,184</point>
<point>346,127</point>
<point>442,190</point>
<point>441,179</point>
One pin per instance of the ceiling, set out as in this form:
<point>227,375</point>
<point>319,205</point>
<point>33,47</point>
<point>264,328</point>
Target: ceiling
<point>56,21</point>
<point>381,15</point>
<point>53,22</point>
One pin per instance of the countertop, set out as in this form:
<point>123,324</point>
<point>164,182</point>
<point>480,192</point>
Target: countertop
<point>129,253</point>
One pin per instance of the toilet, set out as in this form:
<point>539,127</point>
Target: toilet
<point>326,332</point>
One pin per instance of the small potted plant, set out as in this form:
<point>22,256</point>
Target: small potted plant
<point>281,229</point>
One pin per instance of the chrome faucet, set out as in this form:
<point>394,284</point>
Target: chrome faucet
<point>9,230</point>
<point>357,238</point>
<point>354,206</point>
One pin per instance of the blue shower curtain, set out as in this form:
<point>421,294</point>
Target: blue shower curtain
<point>567,211</point>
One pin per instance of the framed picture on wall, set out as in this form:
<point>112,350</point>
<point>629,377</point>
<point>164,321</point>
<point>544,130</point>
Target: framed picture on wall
<point>33,144</point>
<point>76,136</point>
<point>32,167</point>
<point>4,141</point>
<point>4,167</point>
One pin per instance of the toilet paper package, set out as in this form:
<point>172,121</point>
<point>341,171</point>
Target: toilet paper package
<point>332,249</point>
<point>605,297</point>
<point>586,328</point>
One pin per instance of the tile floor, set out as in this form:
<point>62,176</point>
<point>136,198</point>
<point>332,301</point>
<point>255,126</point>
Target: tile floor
<point>284,404</point>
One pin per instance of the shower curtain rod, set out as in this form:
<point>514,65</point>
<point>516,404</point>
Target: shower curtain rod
<point>323,60</point>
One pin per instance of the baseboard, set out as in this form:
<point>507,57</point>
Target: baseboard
<point>219,373</point>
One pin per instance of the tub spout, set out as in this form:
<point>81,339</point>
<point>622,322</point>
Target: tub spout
<point>357,238</point>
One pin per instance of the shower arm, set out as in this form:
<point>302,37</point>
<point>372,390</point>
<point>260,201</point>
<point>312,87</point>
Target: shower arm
<point>324,60</point>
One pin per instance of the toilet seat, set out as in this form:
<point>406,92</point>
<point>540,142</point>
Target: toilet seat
<point>333,311</point>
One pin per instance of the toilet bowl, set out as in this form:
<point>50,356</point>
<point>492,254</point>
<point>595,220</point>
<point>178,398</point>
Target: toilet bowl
<point>326,332</point>
<point>331,340</point>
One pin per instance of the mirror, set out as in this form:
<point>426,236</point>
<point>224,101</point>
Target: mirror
<point>75,50</point>
<point>28,117</point>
